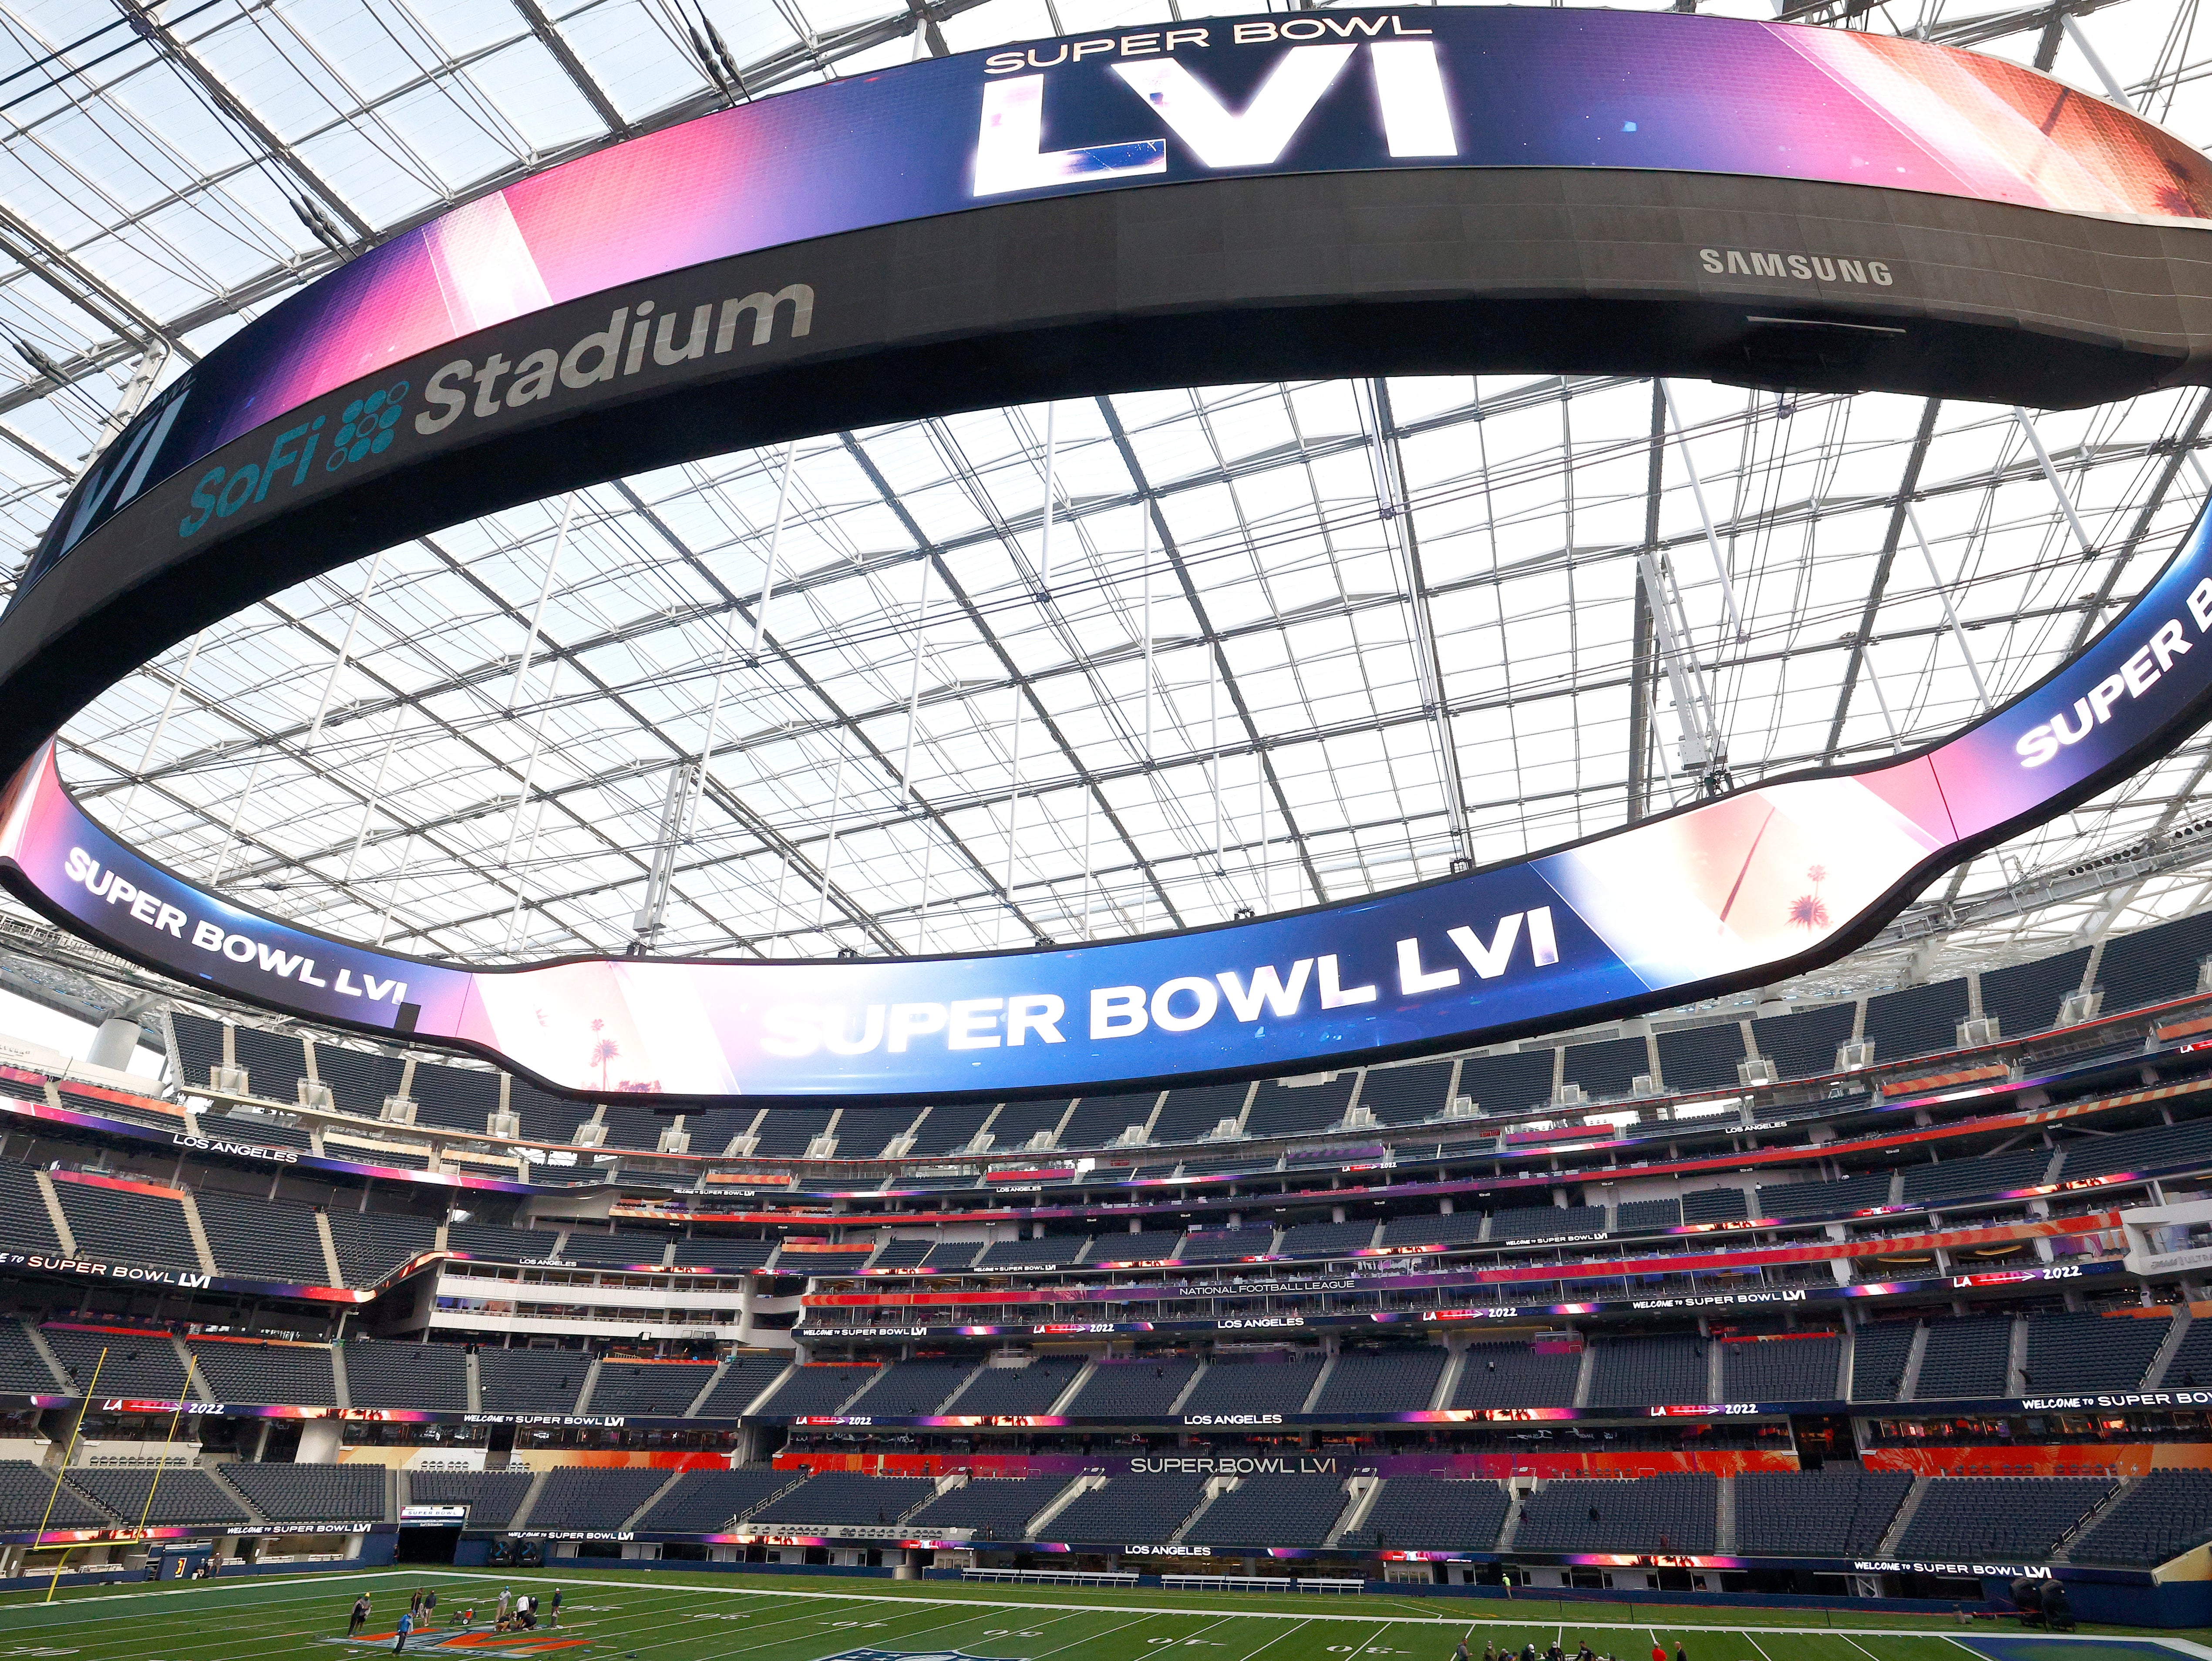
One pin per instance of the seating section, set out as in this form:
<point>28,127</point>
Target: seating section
<point>2092,1352</point>
<point>1802,1044</point>
<point>490,1496</point>
<point>1135,1511</point>
<point>1428,1513</point>
<point>2157,1148</point>
<point>728,1253</point>
<point>1407,1095</point>
<point>312,1493</point>
<point>2154,966</point>
<point>1824,1199</point>
<point>1964,1359</point>
<point>2023,998</point>
<point>1549,1222</point>
<point>849,1497</point>
<point>743,1378</point>
<point>1151,1245</point>
<point>257,1240</point>
<point>1384,1381</point>
<point>1240,1387</point>
<point>649,1389</point>
<point>2163,1514</point>
<point>531,1381</point>
<point>591,1497</point>
<point>1275,1508</point>
<point>1642,1372</point>
<point>2192,1357</point>
<point>1140,1386</point>
<point>1789,1368</point>
<point>912,1388</point>
<point>1918,1020</point>
<point>709,1501</point>
<point>371,1244</point>
<point>1997,1173</point>
<point>25,1223</point>
<point>25,1490</point>
<point>1311,1240</point>
<point>818,1389</point>
<point>1280,1110</point>
<point>23,1370</point>
<point>141,1364</point>
<point>1030,1389</point>
<point>122,1226</point>
<point>2007,1518</point>
<point>282,1375</point>
<point>182,1494</point>
<point>1879,1352</point>
<point>380,1375</point>
<point>1516,1376</point>
<point>1674,1513</point>
<point>990,1508</point>
<point>1646,1216</point>
<point>1694,1058</point>
<point>1823,1513</point>
<point>1715,1205</point>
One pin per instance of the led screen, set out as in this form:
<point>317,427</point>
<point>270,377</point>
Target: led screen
<point>1335,92</point>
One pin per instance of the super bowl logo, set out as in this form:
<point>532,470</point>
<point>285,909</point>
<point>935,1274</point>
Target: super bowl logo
<point>366,428</point>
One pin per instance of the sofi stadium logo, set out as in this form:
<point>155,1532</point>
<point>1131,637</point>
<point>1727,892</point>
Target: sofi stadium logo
<point>1409,92</point>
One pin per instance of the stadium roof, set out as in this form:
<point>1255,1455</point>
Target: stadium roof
<point>1269,644</point>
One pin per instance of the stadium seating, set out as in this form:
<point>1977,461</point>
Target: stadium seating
<point>592,1496</point>
<point>2007,1518</point>
<point>25,1223</point>
<point>1030,1389</point>
<point>23,1370</point>
<point>1636,1372</point>
<point>1964,1359</point>
<point>382,1375</point>
<point>122,1225</point>
<point>989,1508</point>
<point>531,1381</point>
<point>490,1496</point>
<point>1672,1513</point>
<point>126,1363</point>
<point>1516,1376</point>
<point>2161,1515</point>
<point>1787,1367</point>
<point>311,1493</point>
<point>1129,1509</point>
<point>1149,1385</point>
<point>372,1245</point>
<point>710,1502</point>
<point>818,1389</point>
<point>743,1378</point>
<point>1879,1352</point>
<point>256,1240</point>
<point>1275,1508</point>
<point>1427,1513</point>
<point>912,1388</point>
<point>285,1375</point>
<point>649,1389</point>
<point>26,1491</point>
<point>1249,1387</point>
<point>1824,1513</point>
<point>2091,1352</point>
<point>172,1494</point>
<point>1382,1381</point>
<point>847,1497</point>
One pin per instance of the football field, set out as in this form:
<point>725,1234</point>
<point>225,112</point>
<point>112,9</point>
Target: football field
<point>662,1616</point>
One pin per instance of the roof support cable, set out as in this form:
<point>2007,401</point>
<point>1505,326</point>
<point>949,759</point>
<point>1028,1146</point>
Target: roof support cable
<point>391,890</point>
<point>914,682</point>
<point>1144,568</point>
<point>1950,616</point>
<point>1014,818</point>
<point>345,651</point>
<point>530,767</point>
<point>653,915</point>
<point>2057,486</point>
<point>160,728</point>
<point>2113,90</point>
<point>830,850</point>
<point>237,817</point>
<point>1044,548</point>
<point>1881,698</point>
<point>375,795</point>
<point>537,612</point>
<point>1704,514</point>
<point>1700,749</point>
<point>774,547</point>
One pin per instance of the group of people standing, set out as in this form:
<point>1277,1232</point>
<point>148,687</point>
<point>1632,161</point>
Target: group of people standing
<point>513,1614</point>
<point>1529,1651</point>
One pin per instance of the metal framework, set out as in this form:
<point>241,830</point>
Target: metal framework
<point>1032,675</point>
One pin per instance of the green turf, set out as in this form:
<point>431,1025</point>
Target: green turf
<point>611,1615</point>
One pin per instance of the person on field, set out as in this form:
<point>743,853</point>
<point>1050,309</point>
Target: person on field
<point>554,1613</point>
<point>429,1607</point>
<point>359,1618</point>
<point>406,1626</point>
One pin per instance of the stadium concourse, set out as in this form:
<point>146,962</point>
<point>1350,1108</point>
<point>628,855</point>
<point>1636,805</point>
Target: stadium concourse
<point>1812,1320</point>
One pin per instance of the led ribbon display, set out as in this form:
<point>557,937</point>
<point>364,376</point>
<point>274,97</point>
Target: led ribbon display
<point>774,262</point>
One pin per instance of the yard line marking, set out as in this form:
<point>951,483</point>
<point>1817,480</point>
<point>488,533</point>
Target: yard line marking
<point>1863,1650</point>
<point>1755,1644</point>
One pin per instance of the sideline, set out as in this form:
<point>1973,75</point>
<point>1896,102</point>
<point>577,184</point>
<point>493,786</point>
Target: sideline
<point>2197,1651</point>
